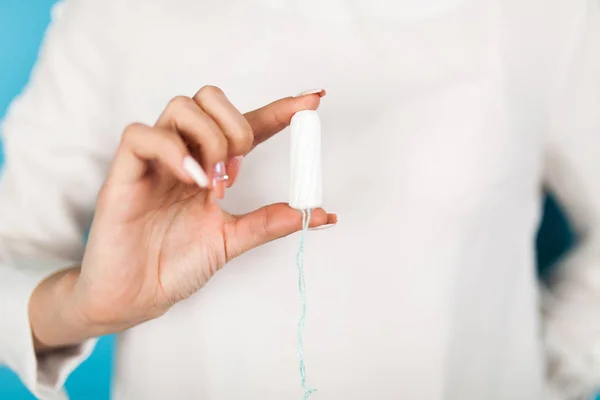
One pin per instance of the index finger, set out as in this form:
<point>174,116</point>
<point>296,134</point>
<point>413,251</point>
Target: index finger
<point>274,117</point>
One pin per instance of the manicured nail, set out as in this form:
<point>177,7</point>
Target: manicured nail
<point>219,177</point>
<point>233,166</point>
<point>195,171</point>
<point>220,172</point>
<point>320,92</point>
<point>237,159</point>
<point>322,227</point>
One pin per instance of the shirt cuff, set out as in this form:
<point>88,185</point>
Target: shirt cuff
<point>43,375</point>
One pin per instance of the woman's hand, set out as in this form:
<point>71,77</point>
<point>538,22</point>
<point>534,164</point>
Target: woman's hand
<point>158,234</point>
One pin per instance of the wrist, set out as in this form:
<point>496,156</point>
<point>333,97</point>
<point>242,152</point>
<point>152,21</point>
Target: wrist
<point>53,312</point>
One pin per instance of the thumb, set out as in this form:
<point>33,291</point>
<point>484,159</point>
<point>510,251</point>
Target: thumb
<point>267,224</point>
<point>274,117</point>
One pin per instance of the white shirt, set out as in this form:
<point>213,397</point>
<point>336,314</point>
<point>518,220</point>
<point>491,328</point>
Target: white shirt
<point>443,122</point>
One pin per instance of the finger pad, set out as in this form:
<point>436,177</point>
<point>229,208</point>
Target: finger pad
<point>318,217</point>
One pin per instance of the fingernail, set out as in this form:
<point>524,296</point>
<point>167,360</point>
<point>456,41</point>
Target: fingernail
<point>235,161</point>
<point>195,171</point>
<point>322,227</point>
<point>220,172</point>
<point>320,92</point>
<point>219,177</point>
<point>234,165</point>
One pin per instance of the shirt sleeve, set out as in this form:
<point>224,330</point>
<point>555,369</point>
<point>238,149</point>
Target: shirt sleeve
<point>571,298</point>
<point>57,152</point>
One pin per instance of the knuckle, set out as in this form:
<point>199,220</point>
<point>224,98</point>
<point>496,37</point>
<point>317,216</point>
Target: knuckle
<point>180,102</point>
<point>131,130</point>
<point>208,91</point>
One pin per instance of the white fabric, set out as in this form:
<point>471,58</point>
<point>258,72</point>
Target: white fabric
<point>442,124</point>
<point>306,181</point>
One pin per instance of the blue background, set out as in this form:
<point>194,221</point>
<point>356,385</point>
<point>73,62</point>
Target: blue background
<point>22,24</point>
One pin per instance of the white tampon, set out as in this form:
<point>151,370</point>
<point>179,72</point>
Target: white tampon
<point>306,190</point>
